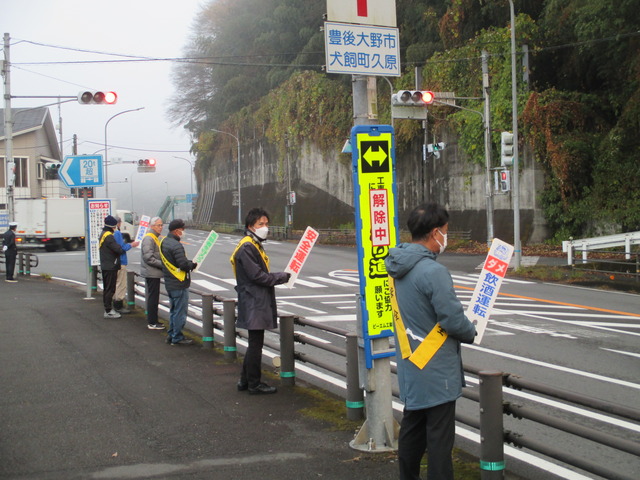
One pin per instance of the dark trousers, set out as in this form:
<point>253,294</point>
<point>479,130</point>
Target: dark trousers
<point>431,429</point>
<point>10,263</point>
<point>152,298</point>
<point>109,279</point>
<point>252,364</point>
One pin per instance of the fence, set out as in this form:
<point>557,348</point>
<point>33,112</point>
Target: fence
<point>24,262</point>
<point>493,386</point>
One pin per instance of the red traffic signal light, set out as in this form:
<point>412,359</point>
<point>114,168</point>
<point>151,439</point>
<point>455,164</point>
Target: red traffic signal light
<point>97,98</point>
<point>147,165</point>
<point>412,98</point>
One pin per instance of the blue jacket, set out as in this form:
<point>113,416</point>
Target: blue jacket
<point>425,297</point>
<point>117,234</point>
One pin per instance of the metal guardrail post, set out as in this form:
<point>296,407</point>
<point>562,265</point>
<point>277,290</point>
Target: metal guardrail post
<point>27,264</point>
<point>287,352</point>
<point>229,320</point>
<point>131,290</point>
<point>20,263</point>
<point>94,279</point>
<point>492,463</point>
<point>207,321</point>
<point>355,395</point>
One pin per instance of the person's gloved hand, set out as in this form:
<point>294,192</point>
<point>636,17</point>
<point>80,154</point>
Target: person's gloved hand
<point>288,277</point>
<point>4,248</point>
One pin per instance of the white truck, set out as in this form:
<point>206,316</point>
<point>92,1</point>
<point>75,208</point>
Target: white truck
<point>57,222</point>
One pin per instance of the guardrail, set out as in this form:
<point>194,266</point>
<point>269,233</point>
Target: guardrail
<point>586,245</point>
<point>24,262</point>
<point>573,419</point>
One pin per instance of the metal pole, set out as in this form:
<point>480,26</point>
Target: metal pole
<point>8,128</point>
<point>491,427</point>
<point>27,265</point>
<point>355,395</point>
<point>229,321</point>
<point>516,161</point>
<point>106,170</point>
<point>131,290</point>
<point>207,321</point>
<point>287,352</point>
<point>487,145</point>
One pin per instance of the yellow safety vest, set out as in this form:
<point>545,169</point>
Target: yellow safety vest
<point>175,271</point>
<point>246,239</point>
<point>427,348</point>
<point>155,239</point>
<point>104,237</point>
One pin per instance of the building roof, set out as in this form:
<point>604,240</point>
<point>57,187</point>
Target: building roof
<point>26,120</point>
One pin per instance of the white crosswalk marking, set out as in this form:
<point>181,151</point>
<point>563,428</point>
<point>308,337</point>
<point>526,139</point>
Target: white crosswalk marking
<point>207,285</point>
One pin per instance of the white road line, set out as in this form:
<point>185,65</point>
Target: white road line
<point>209,285</point>
<point>306,283</point>
<point>334,318</point>
<point>631,354</point>
<point>332,281</point>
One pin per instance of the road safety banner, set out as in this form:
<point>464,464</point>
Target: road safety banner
<point>488,286</point>
<point>96,211</point>
<point>143,227</point>
<point>301,254</point>
<point>205,249</point>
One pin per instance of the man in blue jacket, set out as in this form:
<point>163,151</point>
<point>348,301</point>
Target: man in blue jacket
<point>430,379</point>
<point>121,283</point>
<point>177,279</point>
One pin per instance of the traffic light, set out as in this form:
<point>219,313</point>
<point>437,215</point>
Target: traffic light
<point>412,98</point>
<point>505,180</point>
<point>88,97</point>
<point>506,149</point>
<point>51,170</point>
<point>147,165</point>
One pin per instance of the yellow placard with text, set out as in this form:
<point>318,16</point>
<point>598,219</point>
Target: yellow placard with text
<point>376,221</point>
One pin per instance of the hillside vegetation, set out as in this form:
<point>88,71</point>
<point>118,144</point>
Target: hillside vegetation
<point>255,67</point>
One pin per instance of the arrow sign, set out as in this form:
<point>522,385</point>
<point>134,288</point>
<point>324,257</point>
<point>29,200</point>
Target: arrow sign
<point>82,171</point>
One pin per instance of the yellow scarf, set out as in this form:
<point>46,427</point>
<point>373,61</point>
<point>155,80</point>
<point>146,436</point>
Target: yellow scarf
<point>246,239</point>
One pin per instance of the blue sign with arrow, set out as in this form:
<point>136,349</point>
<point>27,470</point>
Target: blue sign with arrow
<point>82,171</point>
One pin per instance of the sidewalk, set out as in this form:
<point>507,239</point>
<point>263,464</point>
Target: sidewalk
<point>87,398</point>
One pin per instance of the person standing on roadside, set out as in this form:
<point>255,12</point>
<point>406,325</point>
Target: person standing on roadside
<point>120,295</point>
<point>430,326</point>
<point>151,270</point>
<point>10,250</point>
<point>177,279</point>
<point>257,309</point>
<point>110,253</point>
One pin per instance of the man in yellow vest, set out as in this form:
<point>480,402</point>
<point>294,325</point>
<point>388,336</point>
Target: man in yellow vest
<point>257,309</point>
<point>110,253</point>
<point>177,279</point>
<point>430,324</point>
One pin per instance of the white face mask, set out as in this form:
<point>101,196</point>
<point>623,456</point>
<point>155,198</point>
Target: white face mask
<point>443,246</point>
<point>262,232</point>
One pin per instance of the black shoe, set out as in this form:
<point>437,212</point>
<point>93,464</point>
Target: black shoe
<point>184,341</point>
<point>242,386</point>
<point>155,326</point>
<point>167,340</point>
<point>262,389</point>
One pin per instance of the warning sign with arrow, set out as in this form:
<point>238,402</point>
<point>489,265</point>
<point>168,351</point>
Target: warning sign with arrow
<point>376,222</point>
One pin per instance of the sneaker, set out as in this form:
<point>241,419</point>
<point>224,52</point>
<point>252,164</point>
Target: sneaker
<point>155,326</point>
<point>112,314</point>
<point>262,389</point>
<point>242,386</point>
<point>124,310</point>
<point>12,281</point>
<point>184,341</point>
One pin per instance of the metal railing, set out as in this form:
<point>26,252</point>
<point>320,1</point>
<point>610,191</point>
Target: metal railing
<point>24,262</point>
<point>493,385</point>
<point>586,245</point>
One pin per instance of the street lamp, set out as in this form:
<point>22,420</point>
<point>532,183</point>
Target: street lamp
<point>190,203</point>
<point>106,176</point>
<point>239,198</point>
<point>515,193</point>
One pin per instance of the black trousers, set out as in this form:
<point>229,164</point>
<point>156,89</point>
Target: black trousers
<point>252,364</point>
<point>152,298</point>
<point>432,429</point>
<point>10,263</point>
<point>109,279</point>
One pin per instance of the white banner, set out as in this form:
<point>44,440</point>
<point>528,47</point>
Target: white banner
<point>205,249</point>
<point>300,255</point>
<point>488,286</point>
<point>143,227</point>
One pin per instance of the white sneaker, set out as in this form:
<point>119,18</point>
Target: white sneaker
<point>112,314</point>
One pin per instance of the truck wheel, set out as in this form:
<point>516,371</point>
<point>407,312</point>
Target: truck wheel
<point>51,247</point>
<point>71,245</point>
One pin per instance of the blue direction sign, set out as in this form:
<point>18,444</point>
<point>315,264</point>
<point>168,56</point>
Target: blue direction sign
<point>82,171</point>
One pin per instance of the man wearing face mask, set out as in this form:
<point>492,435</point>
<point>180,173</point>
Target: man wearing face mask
<point>430,374</point>
<point>176,268</point>
<point>257,310</point>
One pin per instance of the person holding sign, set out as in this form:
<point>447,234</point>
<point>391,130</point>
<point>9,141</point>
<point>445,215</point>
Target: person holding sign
<point>257,310</point>
<point>430,324</point>
<point>177,278</point>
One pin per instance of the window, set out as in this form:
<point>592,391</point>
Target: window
<point>21,172</point>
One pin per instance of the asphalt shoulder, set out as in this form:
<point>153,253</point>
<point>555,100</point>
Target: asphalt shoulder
<point>84,397</point>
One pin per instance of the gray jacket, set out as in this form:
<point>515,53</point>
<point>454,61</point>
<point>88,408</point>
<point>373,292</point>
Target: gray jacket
<point>150,261</point>
<point>425,297</point>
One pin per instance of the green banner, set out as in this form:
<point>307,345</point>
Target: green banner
<point>205,249</point>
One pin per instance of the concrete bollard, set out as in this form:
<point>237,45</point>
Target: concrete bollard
<point>131,290</point>
<point>492,463</point>
<point>287,352</point>
<point>229,323</point>
<point>355,395</point>
<point>207,321</point>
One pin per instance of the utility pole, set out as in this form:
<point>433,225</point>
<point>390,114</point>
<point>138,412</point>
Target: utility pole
<point>487,144</point>
<point>517,254</point>
<point>8,129</point>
